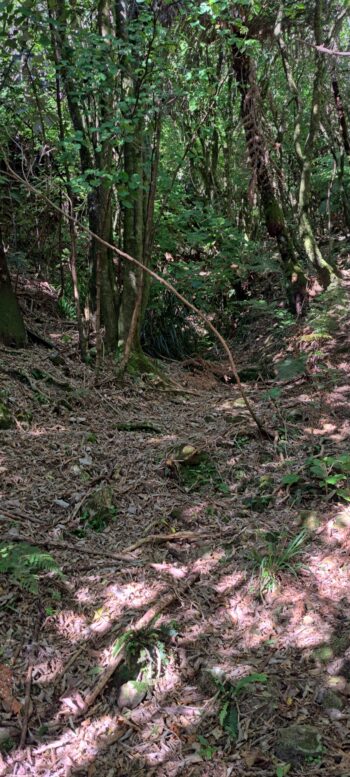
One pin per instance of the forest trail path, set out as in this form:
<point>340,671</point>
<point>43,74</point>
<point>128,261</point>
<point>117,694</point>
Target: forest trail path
<point>65,452</point>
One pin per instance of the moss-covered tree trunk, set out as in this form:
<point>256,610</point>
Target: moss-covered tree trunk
<point>304,153</point>
<point>12,329</point>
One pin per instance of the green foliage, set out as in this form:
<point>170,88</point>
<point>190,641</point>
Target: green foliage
<point>206,750</point>
<point>291,368</point>
<point>148,647</point>
<point>328,474</point>
<point>168,329</point>
<point>7,745</point>
<point>228,695</point>
<point>23,563</point>
<point>278,557</point>
<point>95,520</point>
<point>66,308</point>
<point>282,770</point>
<point>197,476</point>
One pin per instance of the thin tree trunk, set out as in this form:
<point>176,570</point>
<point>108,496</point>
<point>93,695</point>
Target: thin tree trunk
<point>12,329</point>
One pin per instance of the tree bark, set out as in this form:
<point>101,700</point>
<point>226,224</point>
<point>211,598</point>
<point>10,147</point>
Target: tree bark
<point>304,155</point>
<point>260,162</point>
<point>100,199</point>
<point>12,329</point>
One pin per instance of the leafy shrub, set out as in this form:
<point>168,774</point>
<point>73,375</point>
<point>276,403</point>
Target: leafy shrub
<point>330,474</point>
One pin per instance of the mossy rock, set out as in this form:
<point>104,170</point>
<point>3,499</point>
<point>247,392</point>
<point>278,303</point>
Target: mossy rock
<point>298,743</point>
<point>330,700</point>
<point>101,499</point>
<point>6,420</point>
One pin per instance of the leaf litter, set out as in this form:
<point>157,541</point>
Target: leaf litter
<point>160,561</point>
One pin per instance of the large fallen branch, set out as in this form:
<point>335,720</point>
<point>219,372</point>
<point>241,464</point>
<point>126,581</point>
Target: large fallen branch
<point>206,320</point>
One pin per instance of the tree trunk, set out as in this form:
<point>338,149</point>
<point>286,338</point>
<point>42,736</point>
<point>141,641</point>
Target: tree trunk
<point>259,159</point>
<point>12,329</point>
<point>133,240</point>
<point>99,200</point>
<point>304,155</point>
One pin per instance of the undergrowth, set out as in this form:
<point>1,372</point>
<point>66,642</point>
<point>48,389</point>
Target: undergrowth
<point>278,556</point>
<point>23,563</point>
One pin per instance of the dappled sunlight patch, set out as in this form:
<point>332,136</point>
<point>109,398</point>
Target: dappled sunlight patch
<point>39,431</point>
<point>253,625</point>
<point>85,595</point>
<point>229,582</point>
<point>46,671</point>
<point>133,595</point>
<point>242,610</point>
<point>323,428</point>
<point>71,625</point>
<point>311,632</point>
<point>170,569</point>
<point>331,574</point>
<point>81,746</point>
<point>159,440</point>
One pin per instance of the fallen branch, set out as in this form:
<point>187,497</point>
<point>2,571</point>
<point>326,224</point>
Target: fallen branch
<point>179,536</point>
<point>36,338</point>
<point>26,713</point>
<point>173,537</point>
<point>137,426</point>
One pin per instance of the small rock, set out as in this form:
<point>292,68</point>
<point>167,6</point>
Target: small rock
<point>61,503</point>
<point>85,461</point>
<point>131,694</point>
<point>334,714</point>
<point>297,743</point>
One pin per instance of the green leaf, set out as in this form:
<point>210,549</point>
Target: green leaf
<point>291,368</point>
<point>249,679</point>
<point>290,480</point>
<point>333,480</point>
<point>230,723</point>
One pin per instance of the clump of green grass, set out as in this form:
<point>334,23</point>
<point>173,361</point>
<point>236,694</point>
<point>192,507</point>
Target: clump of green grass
<point>279,557</point>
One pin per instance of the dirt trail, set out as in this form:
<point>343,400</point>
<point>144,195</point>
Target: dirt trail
<point>65,451</point>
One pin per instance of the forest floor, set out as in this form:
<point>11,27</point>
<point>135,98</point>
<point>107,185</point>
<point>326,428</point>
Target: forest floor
<point>245,561</point>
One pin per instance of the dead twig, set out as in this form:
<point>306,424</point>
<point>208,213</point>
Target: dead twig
<point>26,712</point>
